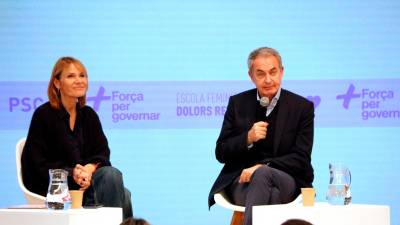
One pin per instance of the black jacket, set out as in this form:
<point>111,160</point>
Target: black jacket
<point>51,144</point>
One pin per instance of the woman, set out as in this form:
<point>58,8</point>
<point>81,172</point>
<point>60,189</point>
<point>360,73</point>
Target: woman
<point>65,133</point>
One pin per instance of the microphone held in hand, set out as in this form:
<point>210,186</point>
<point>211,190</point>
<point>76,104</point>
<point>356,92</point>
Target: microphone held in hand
<point>264,102</point>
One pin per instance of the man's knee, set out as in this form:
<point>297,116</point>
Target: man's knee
<point>264,172</point>
<point>262,175</point>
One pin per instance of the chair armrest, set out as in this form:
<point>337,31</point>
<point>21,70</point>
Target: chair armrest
<point>221,199</point>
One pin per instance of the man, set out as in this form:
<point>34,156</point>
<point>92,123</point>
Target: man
<point>266,149</point>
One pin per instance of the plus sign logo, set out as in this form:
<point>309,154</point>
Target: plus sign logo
<point>348,96</point>
<point>99,98</point>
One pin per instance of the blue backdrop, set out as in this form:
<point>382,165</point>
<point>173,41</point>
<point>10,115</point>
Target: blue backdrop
<point>161,73</point>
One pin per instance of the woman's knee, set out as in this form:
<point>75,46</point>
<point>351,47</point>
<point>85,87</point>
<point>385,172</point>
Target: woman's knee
<point>108,173</point>
<point>127,193</point>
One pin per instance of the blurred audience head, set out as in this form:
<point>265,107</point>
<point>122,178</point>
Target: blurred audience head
<point>134,221</point>
<point>296,222</point>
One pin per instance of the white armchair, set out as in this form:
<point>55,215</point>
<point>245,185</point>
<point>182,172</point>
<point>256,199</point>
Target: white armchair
<point>238,211</point>
<point>31,198</point>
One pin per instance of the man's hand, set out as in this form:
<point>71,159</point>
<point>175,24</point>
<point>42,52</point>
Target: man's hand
<point>246,174</point>
<point>258,131</point>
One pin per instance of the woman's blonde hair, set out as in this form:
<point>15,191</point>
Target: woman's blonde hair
<point>52,91</point>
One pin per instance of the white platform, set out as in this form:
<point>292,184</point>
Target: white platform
<point>104,215</point>
<point>323,214</point>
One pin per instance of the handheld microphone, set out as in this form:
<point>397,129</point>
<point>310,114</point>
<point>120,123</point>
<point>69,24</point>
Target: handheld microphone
<point>264,102</point>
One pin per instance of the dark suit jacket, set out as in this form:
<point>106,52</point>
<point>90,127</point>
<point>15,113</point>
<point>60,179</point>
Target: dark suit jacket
<point>292,143</point>
<point>52,145</point>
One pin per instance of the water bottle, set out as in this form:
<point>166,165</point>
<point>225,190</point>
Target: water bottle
<point>58,195</point>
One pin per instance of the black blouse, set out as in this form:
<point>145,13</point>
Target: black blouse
<point>51,144</point>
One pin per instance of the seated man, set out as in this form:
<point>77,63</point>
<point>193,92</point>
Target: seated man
<point>266,140</point>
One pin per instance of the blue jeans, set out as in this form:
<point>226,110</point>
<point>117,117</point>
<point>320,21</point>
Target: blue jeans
<point>108,189</point>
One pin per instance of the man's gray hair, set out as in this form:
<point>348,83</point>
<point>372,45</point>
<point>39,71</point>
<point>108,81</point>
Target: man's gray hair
<point>265,52</point>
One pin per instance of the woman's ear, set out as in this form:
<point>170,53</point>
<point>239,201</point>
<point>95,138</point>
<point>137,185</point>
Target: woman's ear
<point>56,83</point>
